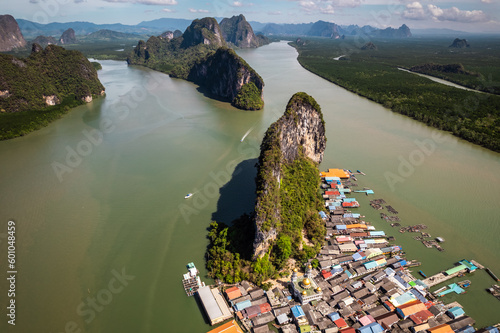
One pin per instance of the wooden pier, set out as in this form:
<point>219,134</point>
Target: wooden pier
<point>439,278</point>
<point>478,265</point>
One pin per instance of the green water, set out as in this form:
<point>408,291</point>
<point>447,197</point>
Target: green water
<point>122,206</point>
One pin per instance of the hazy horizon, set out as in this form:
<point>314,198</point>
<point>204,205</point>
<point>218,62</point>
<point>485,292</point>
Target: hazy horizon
<point>461,15</point>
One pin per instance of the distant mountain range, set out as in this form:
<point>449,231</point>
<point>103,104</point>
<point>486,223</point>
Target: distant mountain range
<point>31,30</point>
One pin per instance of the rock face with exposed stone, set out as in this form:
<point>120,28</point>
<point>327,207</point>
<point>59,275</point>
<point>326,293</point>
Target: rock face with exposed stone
<point>10,35</point>
<point>299,133</point>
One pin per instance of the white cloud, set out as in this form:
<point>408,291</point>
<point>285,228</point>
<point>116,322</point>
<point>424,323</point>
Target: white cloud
<point>415,11</point>
<point>307,5</point>
<point>168,10</point>
<point>148,2</point>
<point>328,10</point>
<point>276,12</point>
<point>435,10</point>
<point>414,5</point>
<point>237,4</point>
<point>346,3</point>
<point>455,14</point>
<point>487,1</point>
<point>192,10</point>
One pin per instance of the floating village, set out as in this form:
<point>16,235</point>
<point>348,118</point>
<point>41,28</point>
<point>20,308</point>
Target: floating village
<point>362,284</point>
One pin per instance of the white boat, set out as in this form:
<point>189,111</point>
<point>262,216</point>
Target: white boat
<point>189,195</point>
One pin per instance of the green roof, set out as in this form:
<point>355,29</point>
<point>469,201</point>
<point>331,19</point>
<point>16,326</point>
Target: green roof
<point>305,328</point>
<point>455,269</point>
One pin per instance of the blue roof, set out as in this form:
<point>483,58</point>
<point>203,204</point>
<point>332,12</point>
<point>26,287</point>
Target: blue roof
<point>243,305</point>
<point>418,295</point>
<point>389,271</point>
<point>371,328</point>
<point>349,199</point>
<point>376,328</point>
<point>405,298</point>
<point>370,264</point>
<point>297,311</point>
<point>356,256</point>
<point>334,316</point>
<point>341,227</point>
<point>492,329</point>
<point>376,233</point>
<point>322,214</point>
<point>456,311</point>
<point>466,329</point>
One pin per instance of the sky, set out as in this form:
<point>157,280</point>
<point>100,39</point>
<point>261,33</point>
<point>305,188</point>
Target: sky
<point>464,15</point>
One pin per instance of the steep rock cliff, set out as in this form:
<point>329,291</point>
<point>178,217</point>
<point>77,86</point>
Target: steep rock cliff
<point>68,37</point>
<point>10,34</point>
<point>200,55</point>
<point>298,134</point>
<point>224,74</point>
<point>205,31</point>
<point>237,31</point>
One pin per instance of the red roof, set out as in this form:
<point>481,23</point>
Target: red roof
<point>416,320</point>
<point>266,307</point>
<point>341,323</point>
<point>423,315</point>
<point>326,274</point>
<point>429,304</point>
<point>233,292</point>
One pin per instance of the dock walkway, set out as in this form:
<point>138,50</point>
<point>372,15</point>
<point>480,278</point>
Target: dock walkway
<point>439,278</point>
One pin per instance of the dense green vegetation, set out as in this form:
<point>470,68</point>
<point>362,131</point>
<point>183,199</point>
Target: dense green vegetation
<point>249,98</point>
<point>53,71</point>
<point>289,205</point>
<point>200,55</point>
<point>65,76</point>
<point>96,65</point>
<point>374,74</point>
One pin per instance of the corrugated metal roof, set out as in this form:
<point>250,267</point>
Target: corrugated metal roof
<point>455,269</point>
<point>243,305</point>
<point>209,303</point>
<point>297,311</point>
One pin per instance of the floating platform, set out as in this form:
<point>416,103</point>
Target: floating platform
<point>492,274</point>
<point>495,291</point>
<point>452,288</point>
<point>191,281</point>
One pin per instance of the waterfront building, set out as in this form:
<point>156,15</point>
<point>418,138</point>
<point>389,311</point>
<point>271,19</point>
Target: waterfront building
<point>214,305</point>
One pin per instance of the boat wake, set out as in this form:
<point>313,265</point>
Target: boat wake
<point>248,132</point>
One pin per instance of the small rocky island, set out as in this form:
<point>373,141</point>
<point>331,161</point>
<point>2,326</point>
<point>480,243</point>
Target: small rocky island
<point>460,43</point>
<point>70,76</point>
<point>201,55</point>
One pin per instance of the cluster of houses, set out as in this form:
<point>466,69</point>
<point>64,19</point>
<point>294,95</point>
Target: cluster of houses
<point>361,285</point>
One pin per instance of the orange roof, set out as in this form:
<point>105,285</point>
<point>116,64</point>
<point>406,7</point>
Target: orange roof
<point>335,173</point>
<point>233,292</point>
<point>444,328</point>
<point>411,308</point>
<point>229,327</point>
<point>356,226</point>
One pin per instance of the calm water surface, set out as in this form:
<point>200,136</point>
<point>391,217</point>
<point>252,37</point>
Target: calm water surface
<point>102,242</point>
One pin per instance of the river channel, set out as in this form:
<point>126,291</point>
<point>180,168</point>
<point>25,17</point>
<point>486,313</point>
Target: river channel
<point>103,232</point>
